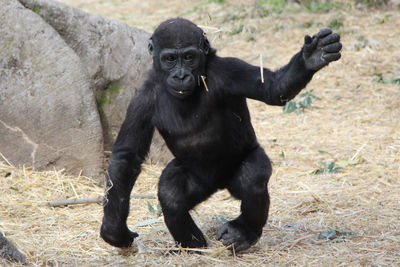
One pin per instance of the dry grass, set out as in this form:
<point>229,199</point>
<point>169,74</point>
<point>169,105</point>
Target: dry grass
<point>352,113</point>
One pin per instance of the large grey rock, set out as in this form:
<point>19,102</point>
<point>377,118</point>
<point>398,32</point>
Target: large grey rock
<point>115,56</point>
<point>48,114</point>
<point>9,252</point>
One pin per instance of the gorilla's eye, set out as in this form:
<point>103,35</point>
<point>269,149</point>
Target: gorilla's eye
<point>188,57</point>
<point>170,58</point>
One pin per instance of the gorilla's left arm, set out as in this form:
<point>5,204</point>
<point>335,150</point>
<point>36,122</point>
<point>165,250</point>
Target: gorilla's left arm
<point>284,84</point>
<point>129,152</point>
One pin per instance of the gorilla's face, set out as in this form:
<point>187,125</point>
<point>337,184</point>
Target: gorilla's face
<point>179,50</point>
<point>182,65</point>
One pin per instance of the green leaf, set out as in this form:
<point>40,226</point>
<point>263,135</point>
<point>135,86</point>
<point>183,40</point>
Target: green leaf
<point>331,234</point>
<point>345,163</point>
<point>395,80</point>
<point>318,171</point>
<point>330,166</point>
<point>151,209</point>
<point>289,107</point>
<point>308,94</point>
<point>378,78</point>
<point>306,102</point>
<point>336,236</point>
<point>221,219</point>
<point>337,169</point>
<point>159,209</point>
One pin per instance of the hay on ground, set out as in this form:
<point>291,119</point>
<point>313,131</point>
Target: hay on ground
<point>354,117</point>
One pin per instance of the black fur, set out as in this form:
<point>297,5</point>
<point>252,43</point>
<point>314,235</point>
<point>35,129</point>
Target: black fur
<point>208,132</point>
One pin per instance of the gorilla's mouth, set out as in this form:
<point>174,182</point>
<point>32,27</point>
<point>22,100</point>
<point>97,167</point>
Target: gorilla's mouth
<point>181,89</point>
<point>181,92</point>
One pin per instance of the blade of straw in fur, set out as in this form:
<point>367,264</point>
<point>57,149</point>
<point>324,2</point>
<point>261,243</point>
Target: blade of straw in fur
<point>261,69</point>
<point>204,81</point>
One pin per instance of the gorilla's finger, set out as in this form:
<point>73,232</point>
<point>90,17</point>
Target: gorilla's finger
<point>133,234</point>
<point>332,48</point>
<point>242,246</point>
<point>331,56</point>
<point>221,232</point>
<point>307,39</point>
<point>324,32</point>
<point>309,48</point>
<point>228,241</point>
<point>332,38</point>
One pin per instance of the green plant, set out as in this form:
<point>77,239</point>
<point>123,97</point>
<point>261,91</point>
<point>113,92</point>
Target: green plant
<point>266,7</point>
<point>316,6</point>
<point>336,236</point>
<point>336,24</point>
<point>36,9</point>
<point>305,102</point>
<point>105,96</point>
<point>327,168</point>
<point>362,42</point>
<point>372,3</point>
<point>217,1</point>
<point>308,24</point>
<point>221,219</point>
<point>237,30</point>
<point>153,210</point>
<point>378,78</point>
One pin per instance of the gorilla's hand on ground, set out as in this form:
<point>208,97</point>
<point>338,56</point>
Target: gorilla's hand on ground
<point>235,235</point>
<point>120,237</point>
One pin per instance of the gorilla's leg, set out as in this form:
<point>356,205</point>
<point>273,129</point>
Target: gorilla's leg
<point>178,192</point>
<point>249,184</point>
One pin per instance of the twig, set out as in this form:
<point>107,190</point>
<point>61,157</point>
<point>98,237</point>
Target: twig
<point>140,196</point>
<point>204,81</point>
<point>75,201</point>
<point>358,151</point>
<point>261,69</point>
<point>66,202</point>
<point>5,159</point>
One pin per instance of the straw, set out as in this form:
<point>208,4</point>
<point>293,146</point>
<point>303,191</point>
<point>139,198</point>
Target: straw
<point>353,117</point>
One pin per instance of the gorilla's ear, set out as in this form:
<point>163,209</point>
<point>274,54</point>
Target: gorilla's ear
<point>150,46</point>
<point>206,44</point>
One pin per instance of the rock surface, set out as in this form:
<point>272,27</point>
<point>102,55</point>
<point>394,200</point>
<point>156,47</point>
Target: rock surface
<point>9,252</point>
<point>66,80</point>
<point>116,58</point>
<point>48,113</point>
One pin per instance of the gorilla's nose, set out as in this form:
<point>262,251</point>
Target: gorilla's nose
<point>180,75</point>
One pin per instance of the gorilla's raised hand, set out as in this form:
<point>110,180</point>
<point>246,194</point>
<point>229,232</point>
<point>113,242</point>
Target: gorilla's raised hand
<point>321,49</point>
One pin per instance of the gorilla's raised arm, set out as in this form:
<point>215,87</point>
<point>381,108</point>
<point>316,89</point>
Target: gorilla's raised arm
<point>282,85</point>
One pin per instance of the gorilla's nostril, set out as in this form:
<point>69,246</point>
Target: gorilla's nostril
<point>180,76</point>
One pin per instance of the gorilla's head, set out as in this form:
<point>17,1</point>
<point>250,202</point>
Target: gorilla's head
<point>179,49</point>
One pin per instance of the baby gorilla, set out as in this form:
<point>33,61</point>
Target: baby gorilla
<point>197,101</point>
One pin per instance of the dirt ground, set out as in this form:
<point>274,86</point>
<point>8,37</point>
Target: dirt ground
<point>353,122</point>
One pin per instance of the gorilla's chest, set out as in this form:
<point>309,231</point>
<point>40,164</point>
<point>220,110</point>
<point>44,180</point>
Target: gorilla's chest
<point>206,127</point>
<point>188,120</point>
<point>193,128</point>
